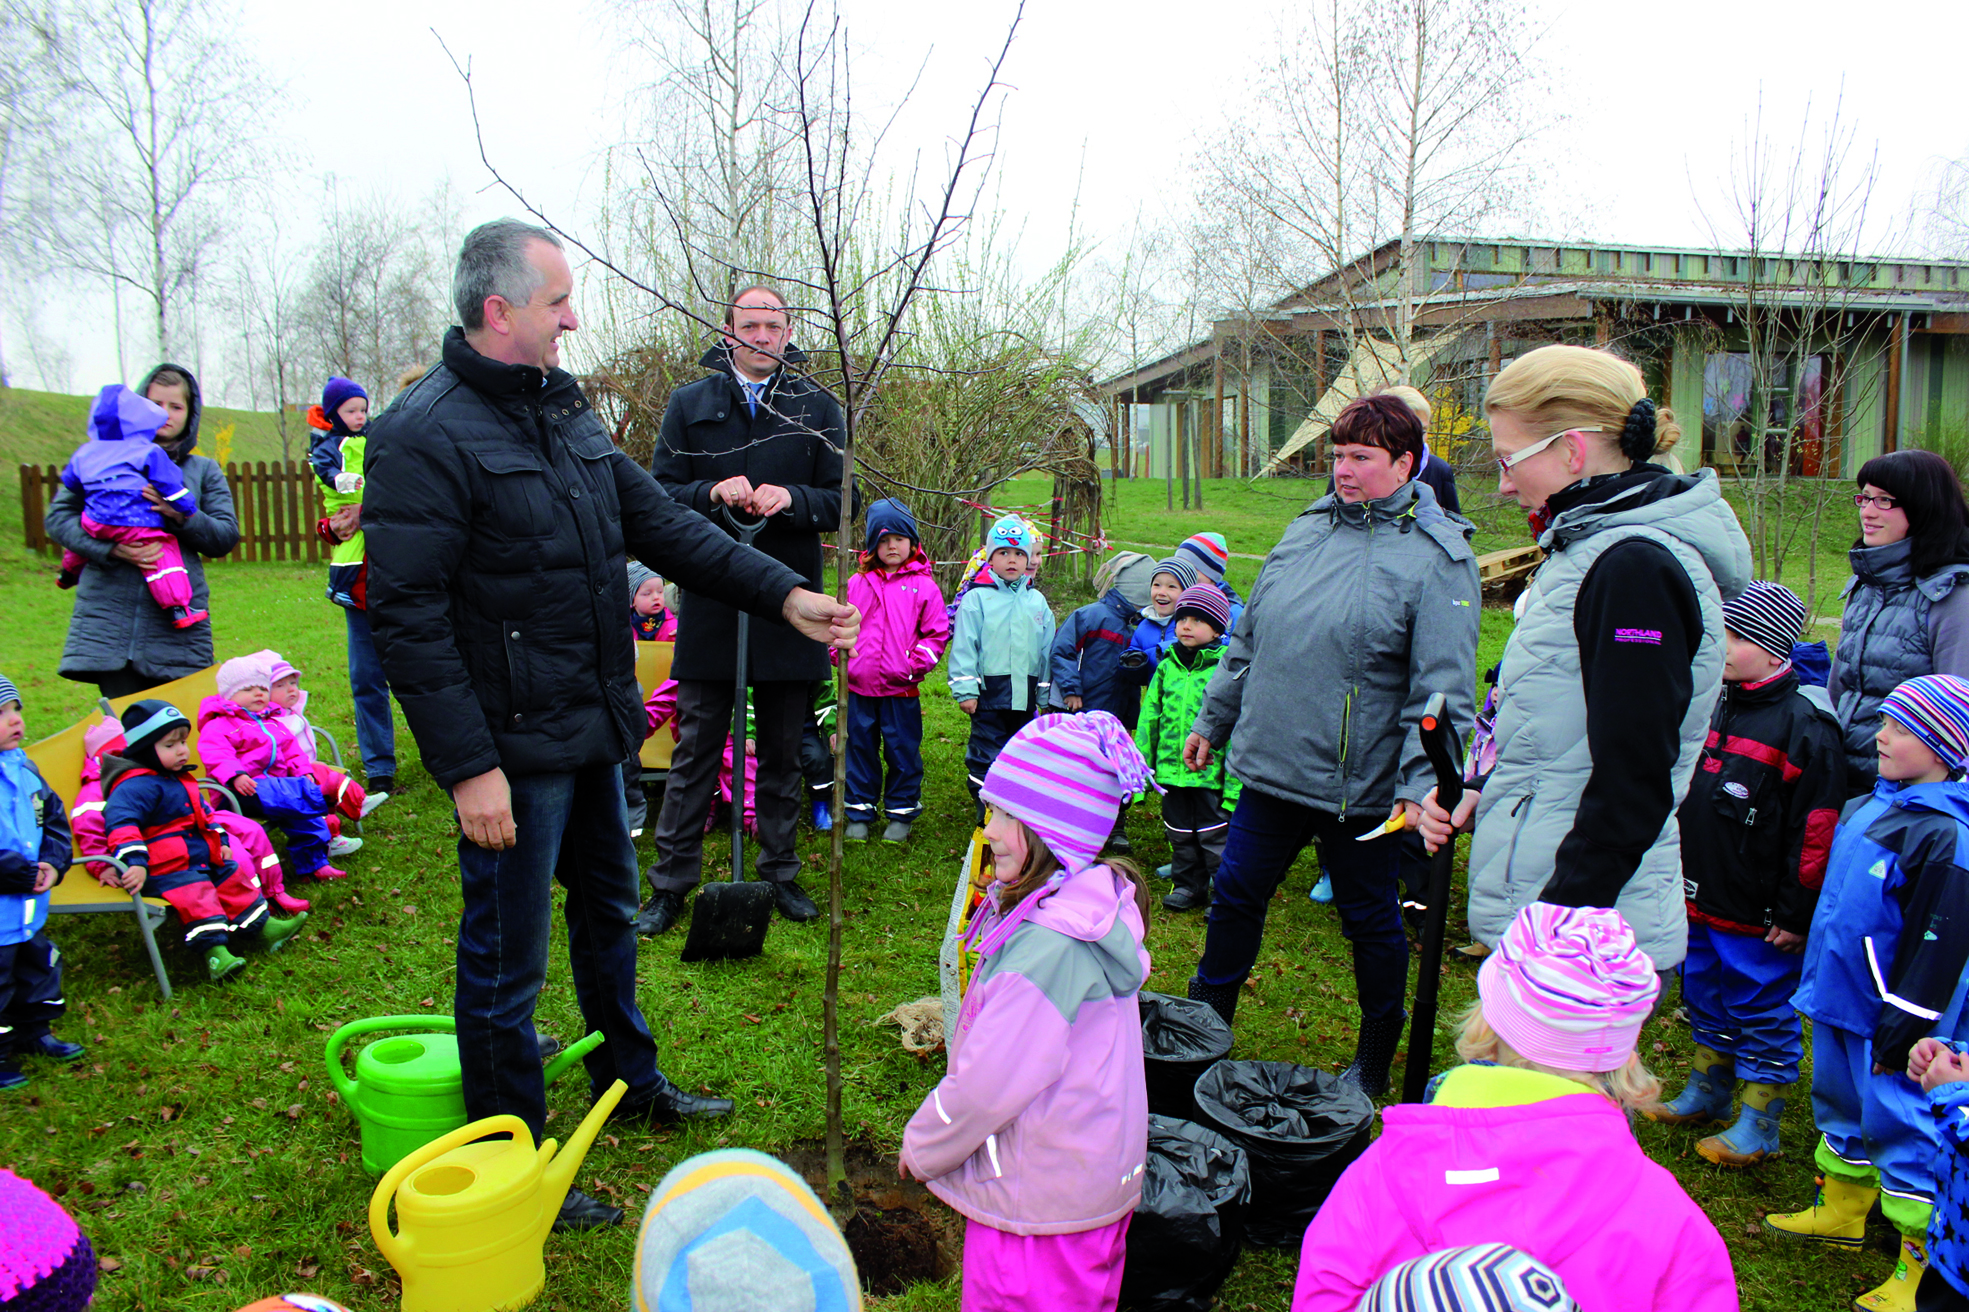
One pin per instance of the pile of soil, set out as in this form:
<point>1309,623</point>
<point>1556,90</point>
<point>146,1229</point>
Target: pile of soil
<point>900,1233</point>
<point>893,1249</point>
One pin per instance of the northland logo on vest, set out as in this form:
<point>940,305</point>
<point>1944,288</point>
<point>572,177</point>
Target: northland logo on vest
<point>1650,636</point>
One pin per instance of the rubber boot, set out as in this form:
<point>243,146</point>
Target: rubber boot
<point>1836,1216</point>
<point>1221,997</point>
<point>1898,1292</point>
<point>1321,892</point>
<point>1754,1137</point>
<point>221,963</point>
<point>11,1076</point>
<point>823,816</point>
<point>1374,1052</point>
<point>1706,1100</point>
<point>1166,872</point>
<point>857,831</point>
<point>897,831</point>
<point>274,933</point>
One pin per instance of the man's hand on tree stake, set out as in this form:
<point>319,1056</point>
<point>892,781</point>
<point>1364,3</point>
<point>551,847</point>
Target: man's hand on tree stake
<point>485,810</point>
<point>822,618</point>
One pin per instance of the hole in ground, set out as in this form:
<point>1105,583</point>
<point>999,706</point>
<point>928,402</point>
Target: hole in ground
<point>900,1233</point>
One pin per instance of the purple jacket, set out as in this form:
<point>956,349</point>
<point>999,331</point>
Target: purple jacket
<point>903,628</point>
<point>121,459</point>
<point>1041,1127</point>
<point>1561,1179</point>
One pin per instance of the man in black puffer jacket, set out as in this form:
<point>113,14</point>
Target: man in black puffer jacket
<point>498,513</point>
<point>760,441</point>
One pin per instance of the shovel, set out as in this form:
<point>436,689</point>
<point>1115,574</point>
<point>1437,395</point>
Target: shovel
<point>1445,754</point>
<point>730,920</point>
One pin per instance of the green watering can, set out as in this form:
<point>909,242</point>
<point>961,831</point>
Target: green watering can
<point>409,1090</point>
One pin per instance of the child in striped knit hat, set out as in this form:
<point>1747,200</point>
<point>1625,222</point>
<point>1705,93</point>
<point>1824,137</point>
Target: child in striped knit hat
<point>1528,1144</point>
<point>1039,1133</point>
<point>1884,968</point>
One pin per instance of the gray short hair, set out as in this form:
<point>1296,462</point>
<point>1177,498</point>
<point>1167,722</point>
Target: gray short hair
<point>493,262</point>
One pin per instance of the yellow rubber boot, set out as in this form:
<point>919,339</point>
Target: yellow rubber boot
<point>1897,1295</point>
<point>1836,1216</point>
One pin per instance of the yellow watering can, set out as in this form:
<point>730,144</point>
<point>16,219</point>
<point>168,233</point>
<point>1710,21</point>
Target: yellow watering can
<point>471,1217</point>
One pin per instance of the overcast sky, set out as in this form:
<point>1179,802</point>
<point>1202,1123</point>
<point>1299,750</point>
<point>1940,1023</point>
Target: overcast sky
<point>1106,100</point>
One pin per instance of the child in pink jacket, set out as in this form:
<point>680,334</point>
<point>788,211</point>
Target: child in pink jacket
<point>1039,1133</point>
<point>1529,1145</point>
<point>904,631</point>
<point>251,847</point>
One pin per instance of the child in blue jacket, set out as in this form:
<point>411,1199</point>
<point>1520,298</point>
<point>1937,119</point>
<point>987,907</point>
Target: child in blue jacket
<point>1943,1073</point>
<point>1884,968</point>
<point>999,649</point>
<point>1155,632</point>
<point>35,851</point>
<point>1088,648</point>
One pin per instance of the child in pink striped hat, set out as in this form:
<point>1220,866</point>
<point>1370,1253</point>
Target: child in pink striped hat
<point>1039,1133</point>
<point>1528,1144</point>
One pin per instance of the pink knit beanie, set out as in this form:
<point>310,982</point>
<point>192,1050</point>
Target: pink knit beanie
<point>1568,987</point>
<point>245,672</point>
<point>45,1261</point>
<point>1064,778</point>
<point>102,736</point>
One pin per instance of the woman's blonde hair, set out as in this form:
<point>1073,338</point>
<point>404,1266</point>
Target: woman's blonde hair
<point>1631,1085</point>
<point>1040,864</point>
<point>1561,387</point>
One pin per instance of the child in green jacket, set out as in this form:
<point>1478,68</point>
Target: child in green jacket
<point>1194,802</point>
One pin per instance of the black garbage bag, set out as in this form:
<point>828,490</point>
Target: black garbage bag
<point>1299,1126</point>
<point>1185,1235</point>
<point>1181,1039</point>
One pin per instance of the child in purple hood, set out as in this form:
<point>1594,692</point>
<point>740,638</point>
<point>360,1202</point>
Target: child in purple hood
<point>1039,1133</point>
<point>112,470</point>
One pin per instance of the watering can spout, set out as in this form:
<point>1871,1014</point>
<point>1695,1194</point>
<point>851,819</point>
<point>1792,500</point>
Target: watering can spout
<point>555,1068</point>
<point>557,1169</point>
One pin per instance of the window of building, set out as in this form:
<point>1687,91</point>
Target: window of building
<point>1796,416</point>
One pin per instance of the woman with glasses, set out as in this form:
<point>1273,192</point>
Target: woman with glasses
<point>1613,668</point>
<point>1905,616</point>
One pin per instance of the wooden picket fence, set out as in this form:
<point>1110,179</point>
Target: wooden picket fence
<point>277,504</point>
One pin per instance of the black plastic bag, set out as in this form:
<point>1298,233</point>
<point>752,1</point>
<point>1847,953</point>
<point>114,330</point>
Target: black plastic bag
<point>1181,1039</point>
<point>1301,1127</point>
<point>1185,1235</point>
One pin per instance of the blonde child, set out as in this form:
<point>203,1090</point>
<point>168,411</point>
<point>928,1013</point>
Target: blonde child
<point>1039,1133</point>
<point>1000,649</point>
<point>1884,968</point>
<point>1528,1144</point>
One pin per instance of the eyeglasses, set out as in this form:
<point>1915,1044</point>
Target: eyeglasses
<point>1506,463</point>
<point>1885,502</point>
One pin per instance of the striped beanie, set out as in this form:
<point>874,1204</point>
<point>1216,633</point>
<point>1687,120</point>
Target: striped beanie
<point>1209,553</point>
<point>1935,709</point>
<point>1010,531</point>
<point>1178,567</point>
<point>9,694</point>
<point>1768,614</point>
<point>278,666</point>
<point>46,1264</point>
<point>253,671</point>
<point>640,574</point>
<point>735,1231</point>
<point>1568,987</point>
<point>1479,1278</point>
<point>1208,603</point>
<point>1064,778</point>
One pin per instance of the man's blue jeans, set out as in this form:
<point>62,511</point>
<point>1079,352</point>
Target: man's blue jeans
<point>376,737</point>
<point>1267,834</point>
<point>571,828</point>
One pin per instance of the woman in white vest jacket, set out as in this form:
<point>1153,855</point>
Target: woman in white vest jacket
<point>1613,669</point>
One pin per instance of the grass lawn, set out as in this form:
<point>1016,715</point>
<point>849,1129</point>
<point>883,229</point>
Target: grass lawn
<point>199,1148</point>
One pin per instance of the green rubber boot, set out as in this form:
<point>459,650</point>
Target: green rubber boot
<point>274,933</point>
<point>220,963</point>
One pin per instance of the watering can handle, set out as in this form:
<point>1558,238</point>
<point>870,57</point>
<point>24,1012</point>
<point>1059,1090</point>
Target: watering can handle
<point>394,1246</point>
<point>340,1038</point>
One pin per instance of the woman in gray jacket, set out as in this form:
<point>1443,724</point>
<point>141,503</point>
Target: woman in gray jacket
<point>118,638</point>
<point>1367,605</point>
<point>1611,673</point>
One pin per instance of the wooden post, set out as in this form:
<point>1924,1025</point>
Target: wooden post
<point>1217,416</point>
<point>1244,415</point>
<point>33,514</point>
<point>1891,439</point>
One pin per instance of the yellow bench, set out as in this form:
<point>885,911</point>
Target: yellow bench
<point>652,668</point>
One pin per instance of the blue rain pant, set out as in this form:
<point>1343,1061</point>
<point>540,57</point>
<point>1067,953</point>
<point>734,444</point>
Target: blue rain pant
<point>296,808</point>
<point>1738,990</point>
<point>1874,1129</point>
<point>885,731</point>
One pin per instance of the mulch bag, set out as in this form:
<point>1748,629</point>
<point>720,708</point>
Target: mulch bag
<point>1185,1234</point>
<point>1181,1039</point>
<point>1300,1127</point>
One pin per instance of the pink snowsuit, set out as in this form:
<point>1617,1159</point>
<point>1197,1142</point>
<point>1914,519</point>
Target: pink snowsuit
<point>1560,1178</point>
<point>1039,1133</point>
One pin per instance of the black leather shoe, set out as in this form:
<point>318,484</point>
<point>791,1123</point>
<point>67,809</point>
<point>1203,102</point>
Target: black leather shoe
<point>671,1106</point>
<point>382,783</point>
<point>550,1047</point>
<point>793,902</point>
<point>659,913</point>
<point>55,1049</point>
<point>1186,899</point>
<point>1119,845</point>
<point>580,1212</point>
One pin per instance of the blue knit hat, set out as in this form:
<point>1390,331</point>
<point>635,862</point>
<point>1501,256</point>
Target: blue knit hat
<point>1935,709</point>
<point>891,516</point>
<point>9,693</point>
<point>734,1230</point>
<point>1010,531</point>
<point>337,391</point>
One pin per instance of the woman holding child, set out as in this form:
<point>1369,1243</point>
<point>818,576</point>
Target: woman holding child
<point>118,638</point>
<point>1616,660</point>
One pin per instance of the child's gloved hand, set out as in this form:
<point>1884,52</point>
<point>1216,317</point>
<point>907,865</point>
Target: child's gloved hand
<point>1134,659</point>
